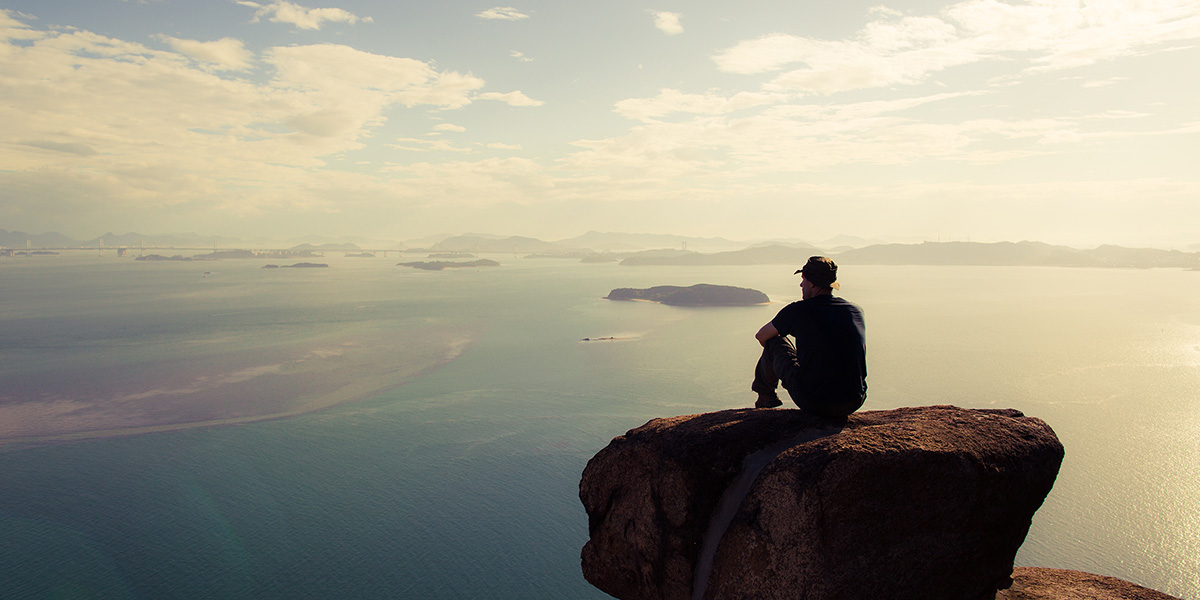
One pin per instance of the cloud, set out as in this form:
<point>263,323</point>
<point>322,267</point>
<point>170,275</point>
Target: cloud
<point>95,124</point>
<point>502,146</point>
<point>511,98</point>
<point>449,127</point>
<point>337,75</point>
<point>903,55</point>
<point>12,29</point>
<point>667,22</point>
<point>502,13</point>
<point>520,56</point>
<point>427,145</point>
<point>489,181</point>
<point>67,148</point>
<point>894,49</point>
<point>813,138</point>
<point>225,54</point>
<point>671,101</point>
<point>302,17</point>
<point>1103,82</point>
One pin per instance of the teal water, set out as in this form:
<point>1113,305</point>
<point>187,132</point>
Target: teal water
<point>460,480</point>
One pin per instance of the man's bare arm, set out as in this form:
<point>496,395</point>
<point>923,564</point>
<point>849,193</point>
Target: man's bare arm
<point>767,332</point>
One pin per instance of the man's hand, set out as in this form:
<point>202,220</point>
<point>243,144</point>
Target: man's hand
<point>767,332</point>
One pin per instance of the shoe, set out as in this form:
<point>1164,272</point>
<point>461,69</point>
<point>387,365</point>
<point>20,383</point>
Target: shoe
<point>768,400</point>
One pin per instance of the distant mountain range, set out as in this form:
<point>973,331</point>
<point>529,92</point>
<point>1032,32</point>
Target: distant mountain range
<point>513,244</point>
<point>1019,253</point>
<point>755,255</point>
<point>654,249</point>
<point>591,241</point>
<point>943,253</point>
<point>630,242</point>
<point>324,247</point>
<point>17,239</point>
<point>620,244</point>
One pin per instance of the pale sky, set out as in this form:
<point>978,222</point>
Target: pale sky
<point>1073,122</point>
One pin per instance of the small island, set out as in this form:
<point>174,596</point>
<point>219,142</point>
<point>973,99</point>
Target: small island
<point>701,294</point>
<point>303,265</point>
<point>159,257</point>
<point>438,265</point>
<point>451,255</point>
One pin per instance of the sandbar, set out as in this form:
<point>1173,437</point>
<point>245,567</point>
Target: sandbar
<point>281,381</point>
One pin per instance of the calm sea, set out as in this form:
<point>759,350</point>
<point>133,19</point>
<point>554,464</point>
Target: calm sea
<point>451,414</point>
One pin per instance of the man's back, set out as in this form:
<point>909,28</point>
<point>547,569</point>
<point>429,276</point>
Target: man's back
<point>830,347</point>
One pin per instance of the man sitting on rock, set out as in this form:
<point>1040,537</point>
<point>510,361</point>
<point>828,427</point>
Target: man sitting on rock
<point>825,372</point>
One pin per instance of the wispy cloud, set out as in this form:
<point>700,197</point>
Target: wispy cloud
<point>789,137</point>
<point>431,144</point>
<point>667,22</point>
<point>1095,83</point>
<point>449,127</point>
<point>71,96</point>
<point>511,98</point>
<point>894,49</point>
<point>502,13</point>
<point>511,180</point>
<point>68,148</point>
<point>14,29</point>
<point>226,54</point>
<point>671,101</point>
<point>302,17</point>
<point>520,56</point>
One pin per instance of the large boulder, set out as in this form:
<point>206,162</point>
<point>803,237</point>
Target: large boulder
<point>1035,583</point>
<point>921,503</point>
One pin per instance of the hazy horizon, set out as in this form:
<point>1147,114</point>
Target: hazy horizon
<point>1072,123</point>
<point>839,240</point>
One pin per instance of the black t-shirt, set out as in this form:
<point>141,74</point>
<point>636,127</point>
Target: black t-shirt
<point>831,347</point>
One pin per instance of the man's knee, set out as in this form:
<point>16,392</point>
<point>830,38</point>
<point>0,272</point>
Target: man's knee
<point>780,353</point>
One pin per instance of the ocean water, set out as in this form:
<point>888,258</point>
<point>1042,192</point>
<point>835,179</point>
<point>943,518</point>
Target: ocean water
<point>435,424</point>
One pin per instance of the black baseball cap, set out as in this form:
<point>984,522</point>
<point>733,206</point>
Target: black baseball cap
<point>821,271</point>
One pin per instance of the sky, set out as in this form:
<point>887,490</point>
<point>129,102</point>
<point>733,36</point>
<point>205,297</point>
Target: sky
<point>1070,122</point>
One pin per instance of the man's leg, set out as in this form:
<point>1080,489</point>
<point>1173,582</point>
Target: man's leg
<point>779,359</point>
<point>779,364</point>
<point>776,354</point>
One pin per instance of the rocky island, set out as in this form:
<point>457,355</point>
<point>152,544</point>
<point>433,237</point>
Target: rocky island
<point>303,265</point>
<point>701,294</point>
<point>438,265</point>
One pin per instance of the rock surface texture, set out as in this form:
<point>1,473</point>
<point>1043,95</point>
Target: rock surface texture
<point>1033,583</point>
<point>921,503</point>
